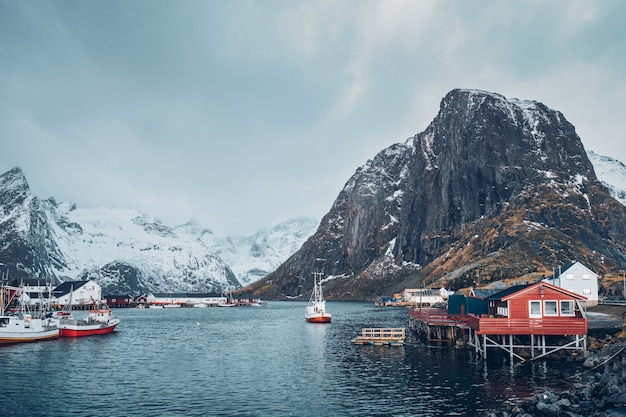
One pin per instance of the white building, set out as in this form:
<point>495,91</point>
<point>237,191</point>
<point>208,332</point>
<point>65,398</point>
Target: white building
<point>578,279</point>
<point>80,293</point>
<point>423,296</point>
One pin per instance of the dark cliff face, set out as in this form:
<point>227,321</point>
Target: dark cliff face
<point>493,186</point>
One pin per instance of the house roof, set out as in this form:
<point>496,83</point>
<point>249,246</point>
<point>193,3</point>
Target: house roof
<point>506,292</point>
<point>484,292</point>
<point>518,289</point>
<point>67,287</point>
<point>563,270</point>
<point>37,282</point>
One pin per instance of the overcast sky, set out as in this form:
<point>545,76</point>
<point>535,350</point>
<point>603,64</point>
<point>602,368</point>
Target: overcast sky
<point>242,114</point>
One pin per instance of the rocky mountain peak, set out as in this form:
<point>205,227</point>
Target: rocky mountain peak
<point>14,189</point>
<point>462,193</point>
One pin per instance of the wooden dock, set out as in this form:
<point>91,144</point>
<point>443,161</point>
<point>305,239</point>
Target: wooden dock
<point>381,336</point>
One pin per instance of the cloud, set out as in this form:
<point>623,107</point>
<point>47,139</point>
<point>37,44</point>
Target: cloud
<point>243,113</point>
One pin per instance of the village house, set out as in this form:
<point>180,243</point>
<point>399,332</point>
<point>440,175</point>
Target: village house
<point>423,297</point>
<point>119,301</point>
<point>579,279</point>
<point>182,299</point>
<point>538,318</point>
<point>36,291</point>
<point>79,293</point>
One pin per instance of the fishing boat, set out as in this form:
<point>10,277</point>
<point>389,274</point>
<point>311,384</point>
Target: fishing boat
<point>20,324</point>
<point>316,312</point>
<point>99,320</point>
<point>229,302</point>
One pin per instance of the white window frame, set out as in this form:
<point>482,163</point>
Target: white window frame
<point>550,312</point>
<point>530,309</point>
<point>571,308</point>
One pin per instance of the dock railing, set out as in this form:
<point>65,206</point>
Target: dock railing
<point>380,336</point>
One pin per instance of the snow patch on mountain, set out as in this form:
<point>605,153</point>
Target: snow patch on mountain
<point>168,258</point>
<point>612,173</point>
<point>253,257</point>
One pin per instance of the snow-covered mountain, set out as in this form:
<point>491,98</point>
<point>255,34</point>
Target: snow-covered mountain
<point>97,242</point>
<point>612,173</point>
<point>253,257</point>
<point>495,188</point>
<point>127,251</point>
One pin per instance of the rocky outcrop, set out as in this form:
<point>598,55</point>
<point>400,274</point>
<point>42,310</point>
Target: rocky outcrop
<point>494,188</point>
<point>602,394</point>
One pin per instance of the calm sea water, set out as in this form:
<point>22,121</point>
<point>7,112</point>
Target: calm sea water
<point>257,361</point>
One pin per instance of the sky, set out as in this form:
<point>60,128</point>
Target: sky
<point>242,114</point>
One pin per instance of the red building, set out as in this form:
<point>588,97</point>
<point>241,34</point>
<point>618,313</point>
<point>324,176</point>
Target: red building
<point>538,318</point>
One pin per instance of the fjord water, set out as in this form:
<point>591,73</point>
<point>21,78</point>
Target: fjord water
<point>257,361</point>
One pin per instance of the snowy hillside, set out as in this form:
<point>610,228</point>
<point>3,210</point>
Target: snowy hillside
<point>181,258</point>
<point>167,258</point>
<point>253,257</point>
<point>612,173</point>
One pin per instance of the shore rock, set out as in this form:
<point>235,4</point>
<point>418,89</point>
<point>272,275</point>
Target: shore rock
<point>603,393</point>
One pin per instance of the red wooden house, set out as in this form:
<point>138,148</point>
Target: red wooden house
<point>531,317</point>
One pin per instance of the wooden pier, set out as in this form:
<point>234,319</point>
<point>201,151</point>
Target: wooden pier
<point>381,336</point>
<point>437,326</point>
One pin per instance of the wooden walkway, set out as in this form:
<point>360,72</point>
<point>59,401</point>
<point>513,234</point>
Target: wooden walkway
<point>381,336</point>
<point>533,336</point>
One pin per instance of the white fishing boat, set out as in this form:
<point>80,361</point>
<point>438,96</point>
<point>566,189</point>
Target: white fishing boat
<point>20,324</point>
<point>316,312</point>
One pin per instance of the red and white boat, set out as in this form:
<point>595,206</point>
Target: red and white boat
<point>316,312</point>
<point>100,320</point>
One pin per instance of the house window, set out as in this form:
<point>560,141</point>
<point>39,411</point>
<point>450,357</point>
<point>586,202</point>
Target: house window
<point>586,276</point>
<point>535,309</point>
<point>587,291</point>
<point>567,308</point>
<point>569,276</point>
<point>550,308</point>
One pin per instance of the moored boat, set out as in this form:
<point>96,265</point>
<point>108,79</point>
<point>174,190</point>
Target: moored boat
<point>20,325</point>
<point>99,320</point>
<point>316,312</point>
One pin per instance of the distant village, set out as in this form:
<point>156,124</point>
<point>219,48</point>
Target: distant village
<point>81,295</point>
<point>575,278</point>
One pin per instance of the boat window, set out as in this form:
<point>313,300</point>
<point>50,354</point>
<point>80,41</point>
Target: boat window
<point>550,308</point>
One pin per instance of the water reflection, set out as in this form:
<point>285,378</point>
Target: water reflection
<point>258,361</point>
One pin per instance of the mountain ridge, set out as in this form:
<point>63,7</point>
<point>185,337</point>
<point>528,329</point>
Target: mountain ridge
<point>486,166</point>
<point>124,250</point>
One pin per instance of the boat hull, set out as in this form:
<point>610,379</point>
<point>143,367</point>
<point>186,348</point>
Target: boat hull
<point>80,329</point>
<point>321,318</point>
<point>24,328</point>
<point>25,337</point>
<point>317,313</point>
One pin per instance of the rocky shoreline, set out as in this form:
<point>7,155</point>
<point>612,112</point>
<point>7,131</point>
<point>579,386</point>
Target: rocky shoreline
<point>602,392</point>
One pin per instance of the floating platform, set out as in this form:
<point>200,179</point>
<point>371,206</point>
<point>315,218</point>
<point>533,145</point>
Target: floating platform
<point>381,336</point>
